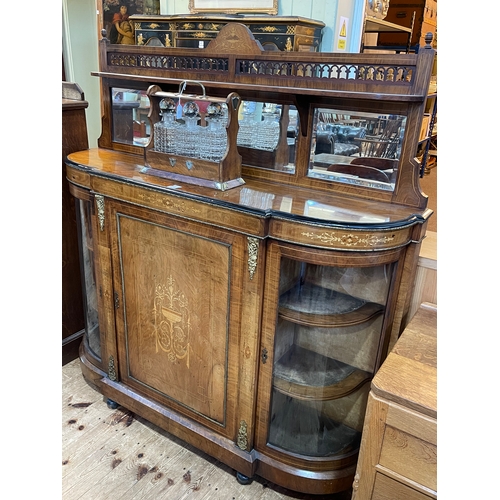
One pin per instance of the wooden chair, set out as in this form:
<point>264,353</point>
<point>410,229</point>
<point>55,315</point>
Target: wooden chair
<point>384,145</point>
<point>383,164</point>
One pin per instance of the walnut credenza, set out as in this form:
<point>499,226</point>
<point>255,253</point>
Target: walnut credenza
<point>398,456</point>
<point>243,302</point>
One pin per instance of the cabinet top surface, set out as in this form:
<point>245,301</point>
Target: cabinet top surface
<point>259,197</point>
<point>73,104</point>
<point>231,18</point>
<point>408,376</point>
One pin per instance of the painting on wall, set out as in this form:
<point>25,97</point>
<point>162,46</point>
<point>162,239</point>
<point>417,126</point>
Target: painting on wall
<point>116,14</point>
<point>233,6</point>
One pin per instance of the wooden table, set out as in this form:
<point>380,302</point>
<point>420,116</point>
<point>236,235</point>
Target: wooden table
<point>398,456</point>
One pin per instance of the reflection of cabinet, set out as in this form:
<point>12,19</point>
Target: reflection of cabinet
<point>189,30</point>
<point>249,321</point>
<point>398,457</point>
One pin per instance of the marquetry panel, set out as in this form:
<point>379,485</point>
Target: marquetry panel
<point>177,332</point>
<point>338,238</point>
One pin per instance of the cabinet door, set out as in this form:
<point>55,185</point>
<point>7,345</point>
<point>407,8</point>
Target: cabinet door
<point>178,312</point>
<point>325,318</point>
<point>87,244</point>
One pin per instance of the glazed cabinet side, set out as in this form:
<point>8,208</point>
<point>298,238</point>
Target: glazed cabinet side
<point>326,322</point>
<point>96,272</point>
<point>186,301</point>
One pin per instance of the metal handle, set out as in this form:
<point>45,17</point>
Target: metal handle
<point>183,84</point>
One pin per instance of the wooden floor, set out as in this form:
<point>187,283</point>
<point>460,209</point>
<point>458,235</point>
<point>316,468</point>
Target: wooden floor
<point>113,454</point>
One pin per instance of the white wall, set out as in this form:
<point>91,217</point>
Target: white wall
<point>80,39</point>
<point>81,57</point>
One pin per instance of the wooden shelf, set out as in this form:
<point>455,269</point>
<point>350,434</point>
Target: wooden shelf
<point>312,305</point>
<point>300,429</point>
<point>374,25</point>
<point>304,374</point>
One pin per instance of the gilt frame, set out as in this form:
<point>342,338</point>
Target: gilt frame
<point>233,6</point>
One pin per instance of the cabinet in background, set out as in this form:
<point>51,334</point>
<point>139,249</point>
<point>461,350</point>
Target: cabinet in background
<point>425,21</point>
<point>74,138</point>
<point>190,30</point>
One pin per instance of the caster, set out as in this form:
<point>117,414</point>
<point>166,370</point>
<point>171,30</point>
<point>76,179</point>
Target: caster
<point>243,479</point>
<point>112,405</point>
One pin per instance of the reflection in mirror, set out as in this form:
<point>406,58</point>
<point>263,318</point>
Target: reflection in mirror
<point>267,134</point>
<point>130,109</point>
<point>329,212</point>
<point>356,147</point>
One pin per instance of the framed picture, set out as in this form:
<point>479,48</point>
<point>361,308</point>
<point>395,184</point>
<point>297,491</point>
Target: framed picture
<point>233,6</point>
<point>115,14</point>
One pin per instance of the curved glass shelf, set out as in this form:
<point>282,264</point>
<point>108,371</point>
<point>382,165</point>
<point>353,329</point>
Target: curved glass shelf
<point>313,305</point>
<point>304,374</point>
<point>303,430</point>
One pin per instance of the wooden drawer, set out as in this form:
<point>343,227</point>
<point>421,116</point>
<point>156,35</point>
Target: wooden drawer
<point>386,488</point>
<point>409,456</point>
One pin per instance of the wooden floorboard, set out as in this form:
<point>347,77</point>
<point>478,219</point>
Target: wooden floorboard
<point>114,454</point>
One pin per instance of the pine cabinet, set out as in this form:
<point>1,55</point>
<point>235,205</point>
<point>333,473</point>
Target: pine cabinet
<point>248,319</point>
<point>398,457</point>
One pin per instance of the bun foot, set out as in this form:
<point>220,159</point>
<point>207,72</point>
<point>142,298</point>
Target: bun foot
<point>243,479</point>
<point>112,405</point>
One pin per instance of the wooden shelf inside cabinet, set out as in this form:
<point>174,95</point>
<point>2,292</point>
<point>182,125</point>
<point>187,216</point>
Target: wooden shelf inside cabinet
<point>312,305</point>
<point>304,374</point>
<point>295,429</point>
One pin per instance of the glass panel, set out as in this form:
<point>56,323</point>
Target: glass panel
<point>327,337</point>
<point>267,134</point>
<point>92,333</point>
<point>130,109</point>
<point>356,147</point>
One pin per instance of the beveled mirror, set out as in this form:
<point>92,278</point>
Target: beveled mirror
<point>356,147</point>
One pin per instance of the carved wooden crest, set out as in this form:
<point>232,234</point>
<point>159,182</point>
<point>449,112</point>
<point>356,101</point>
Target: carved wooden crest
<point>234,38</point>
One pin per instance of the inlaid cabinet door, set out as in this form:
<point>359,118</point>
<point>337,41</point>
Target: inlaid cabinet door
<point>178,312</point>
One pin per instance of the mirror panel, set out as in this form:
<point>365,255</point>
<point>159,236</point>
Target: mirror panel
<point>130,109</point>
<point>356,147</point>
<point>267,135</point>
